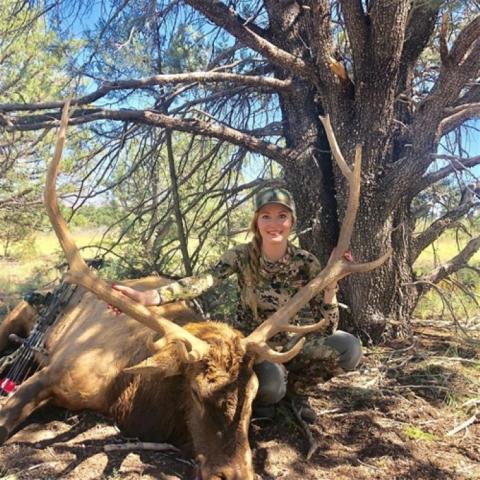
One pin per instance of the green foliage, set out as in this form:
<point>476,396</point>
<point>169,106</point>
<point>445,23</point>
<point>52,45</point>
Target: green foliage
<point>416,433</point>
<point>32,63</point>
<point>186,51</point>
<point>17,228</point>
<point>139,209</point>
<point>32,57</point>
<point>92,216</point>
<point>149,229</point>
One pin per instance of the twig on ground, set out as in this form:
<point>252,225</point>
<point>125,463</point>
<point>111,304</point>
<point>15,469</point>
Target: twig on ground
<point>463,425</point>
<point>471,403</point>
<point>368,465</point>
<point>328,411</point>
<point>190,463</point>
<point>426,385</point>
<point>455,359</point>
<point>313,444</point>
<point>159,447</point>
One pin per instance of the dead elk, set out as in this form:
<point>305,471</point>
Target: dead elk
<point>101,362</point>
<point>194,385</point>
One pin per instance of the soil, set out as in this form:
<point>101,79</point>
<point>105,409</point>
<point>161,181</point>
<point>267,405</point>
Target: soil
<point>387,420</point>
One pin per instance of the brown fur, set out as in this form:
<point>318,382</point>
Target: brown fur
<point>19,321</point>
<point>205,408</point>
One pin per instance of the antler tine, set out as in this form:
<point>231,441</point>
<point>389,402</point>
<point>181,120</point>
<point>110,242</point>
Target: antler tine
<point>336,268</point>
<point>264,353</point>
<point>80,274</point>
<point>353,178</point>
<point>332,140</point>
<point>50,198</point>
<point>346,229</point>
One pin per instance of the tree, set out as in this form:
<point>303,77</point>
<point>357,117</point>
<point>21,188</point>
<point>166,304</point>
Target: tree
<point>397,76</point>
<point>31,61</point>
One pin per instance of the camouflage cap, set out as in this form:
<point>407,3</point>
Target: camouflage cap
<point>274,195</point>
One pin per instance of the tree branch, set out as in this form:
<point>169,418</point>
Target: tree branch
<point>455,264</point>
<point>461,65</point>
<point>425,133</point>
<point>319,26</point>
<point>15,199</point>
<point>457,116</point>
<point>182,238</point>
<point>434,231</point>
<point>471,96</point>
<point>272,129</point>
<point>420,26</point>
<point>251,36</point>
<point>148,117</point>
<point>157,80</point>
<point>463,44</point>
<point>388,26</point>
<point>357,29</point>
<point>443,39</point>
<point>456,164</point>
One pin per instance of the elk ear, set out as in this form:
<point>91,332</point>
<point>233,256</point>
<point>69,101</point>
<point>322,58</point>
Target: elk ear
<point>166,363</point>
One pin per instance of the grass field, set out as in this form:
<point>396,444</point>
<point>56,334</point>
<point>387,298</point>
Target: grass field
<point>432,305</point>
<point>33,264</point>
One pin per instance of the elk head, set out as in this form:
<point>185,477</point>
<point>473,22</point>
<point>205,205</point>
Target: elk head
<point>215,361</point>
<point>218,393</point>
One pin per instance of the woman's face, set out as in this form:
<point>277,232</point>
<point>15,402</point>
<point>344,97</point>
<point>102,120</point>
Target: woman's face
<point>274,223</point>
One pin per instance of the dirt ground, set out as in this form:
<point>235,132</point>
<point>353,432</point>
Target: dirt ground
<point>394,418</point>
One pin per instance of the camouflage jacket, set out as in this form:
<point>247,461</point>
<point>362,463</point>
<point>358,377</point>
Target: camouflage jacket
<point>277,283</point>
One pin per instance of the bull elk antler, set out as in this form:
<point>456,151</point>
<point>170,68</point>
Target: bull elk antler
<point>190,347</point>
<point>336,268</point>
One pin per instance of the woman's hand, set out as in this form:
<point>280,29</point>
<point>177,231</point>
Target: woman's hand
<point>347,255</point>
<point>147,298</point>
<point>331,289</point>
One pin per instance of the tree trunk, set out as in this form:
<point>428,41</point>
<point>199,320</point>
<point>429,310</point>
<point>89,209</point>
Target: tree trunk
<point>383,300</point>
<point>380,302</point>
<point>309,176</point>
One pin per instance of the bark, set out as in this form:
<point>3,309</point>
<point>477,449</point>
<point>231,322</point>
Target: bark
<point>152,118</point>
<point>308,173</point>
<point>381,302</point>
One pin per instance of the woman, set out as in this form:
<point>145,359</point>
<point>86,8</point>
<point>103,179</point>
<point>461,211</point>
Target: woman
<point>270,270</point>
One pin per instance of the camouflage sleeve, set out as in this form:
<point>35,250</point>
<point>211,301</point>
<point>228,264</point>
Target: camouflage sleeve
<point>191,287</point>
<point>328,311</point>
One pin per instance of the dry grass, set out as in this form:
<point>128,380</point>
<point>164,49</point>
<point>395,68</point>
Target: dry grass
<point>34,267</point>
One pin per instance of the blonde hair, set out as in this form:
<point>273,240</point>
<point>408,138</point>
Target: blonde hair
<point>253,267</point>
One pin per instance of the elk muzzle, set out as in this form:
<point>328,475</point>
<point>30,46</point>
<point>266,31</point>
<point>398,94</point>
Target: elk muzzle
<point>242,469</point>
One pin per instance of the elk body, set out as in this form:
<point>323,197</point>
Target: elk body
<point>203,408</point>
<point>197,387</point>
